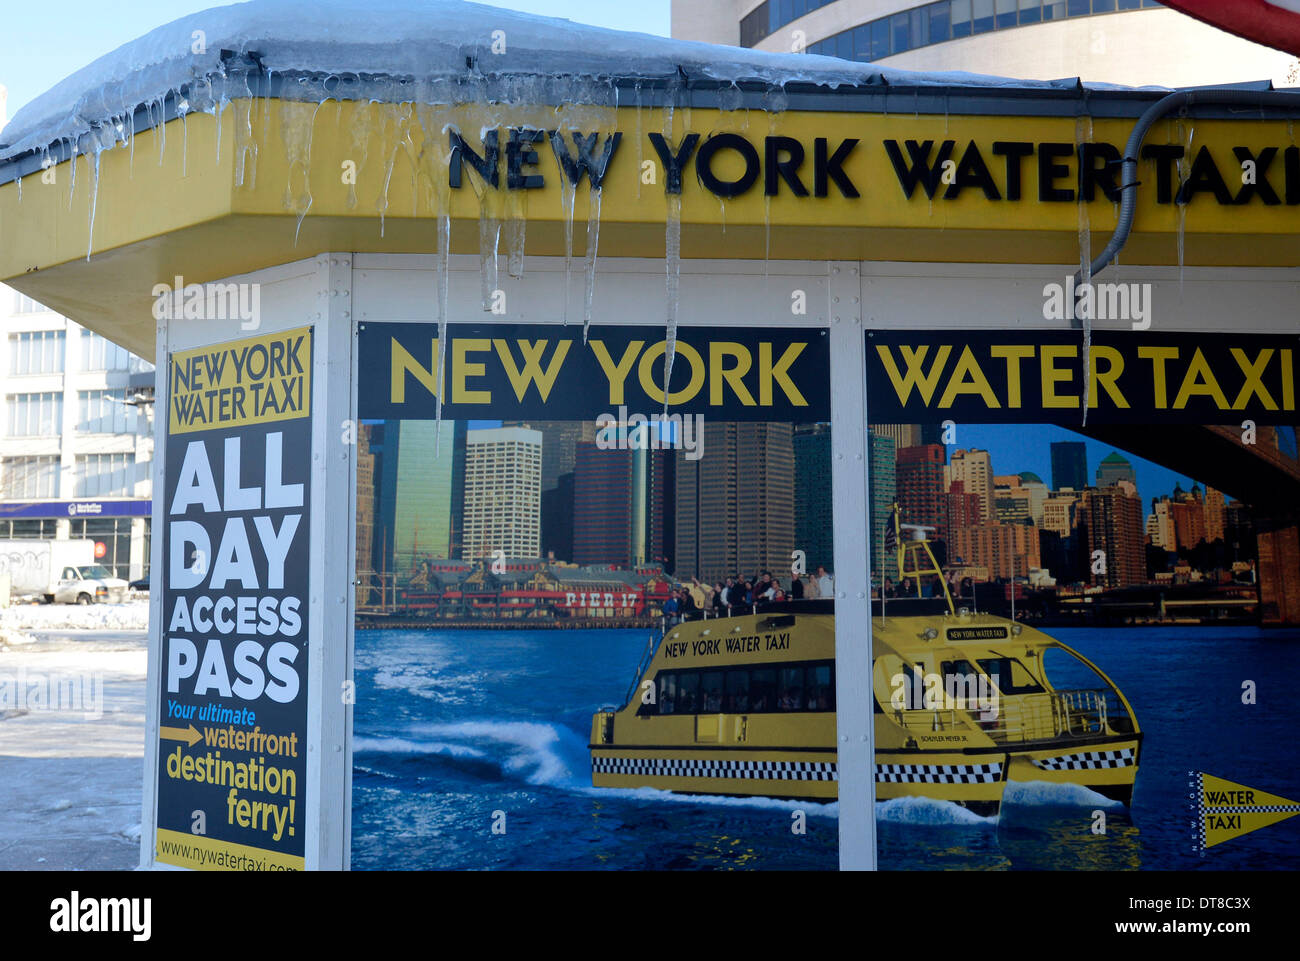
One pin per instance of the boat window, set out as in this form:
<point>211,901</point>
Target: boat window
<point>790,692</point>
<point>1010,676</point>
<point>737,691</point>
<point>821,693</point>
<point>711,692</point>
<point>667,692</point>
<point>688,692</point>
<point>762,690</point>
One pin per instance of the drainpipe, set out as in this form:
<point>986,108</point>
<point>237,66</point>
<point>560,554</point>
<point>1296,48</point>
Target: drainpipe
<point>1129,182</point>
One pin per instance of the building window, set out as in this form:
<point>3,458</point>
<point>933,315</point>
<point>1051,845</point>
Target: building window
<point>25,305</point>
<point>924,24</point>
<point>35,415</point>
<point>104,475</point>
<point>25,478</point>
<point>36,352</point>
<point>105,412</point>
<point>98,353</point>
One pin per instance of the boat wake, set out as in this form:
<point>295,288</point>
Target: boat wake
<point>535,753</point>
<point>1042,794</point>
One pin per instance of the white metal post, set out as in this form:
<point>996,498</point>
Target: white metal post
<point>333,553</point>
<point>856,759</point>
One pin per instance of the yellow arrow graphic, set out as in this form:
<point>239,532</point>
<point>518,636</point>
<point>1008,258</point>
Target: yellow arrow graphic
<point>189,735</point>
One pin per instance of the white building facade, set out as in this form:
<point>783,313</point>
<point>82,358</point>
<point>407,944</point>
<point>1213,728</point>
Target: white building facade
<point>76,436</point>
<point>1131,42</point>
<point>503,492</point>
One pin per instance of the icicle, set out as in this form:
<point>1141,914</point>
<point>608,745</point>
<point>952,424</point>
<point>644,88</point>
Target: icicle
<point>567,197</point>
<point>72,190</point>
<point>183,109</point>
<point>94,202</point>
<point>673,269</point>
<point>160,127</point>
<point>516,231</point>
<point>640,137</point>
<point>489,238</point>
<point>296,130</point>
<point>593,242</point>
<point>1183,171</point>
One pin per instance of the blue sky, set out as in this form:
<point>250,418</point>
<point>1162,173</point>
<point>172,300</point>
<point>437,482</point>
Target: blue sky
<point>40,44</point>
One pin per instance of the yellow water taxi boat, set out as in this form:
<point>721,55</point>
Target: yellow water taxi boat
<point>964,702</point>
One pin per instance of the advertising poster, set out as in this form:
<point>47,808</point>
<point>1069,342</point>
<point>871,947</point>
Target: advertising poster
<point>518,702</point>
<point>233,702</point>
<point>1089,598</point>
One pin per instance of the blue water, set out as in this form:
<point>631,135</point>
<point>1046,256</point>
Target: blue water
<point>459,730</point>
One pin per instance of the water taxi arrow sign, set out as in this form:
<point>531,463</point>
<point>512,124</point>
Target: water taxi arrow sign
<point>1227,810</point>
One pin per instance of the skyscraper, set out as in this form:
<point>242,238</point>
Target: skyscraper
<point>813,518</point>
<point>503,480</point>
<point>1069,465</point>
<point>974,469</point>
<point>1215,510</point>
<point>883,491</point>
<point>1110,521</point>
<point>559,451</point>
<point>420,504</point>
<point>602,505</point>
<point>1115,467</point>
<point>903,435</point>
<point>559,445</point>
<point>735,505</point>
<point>920,488</point>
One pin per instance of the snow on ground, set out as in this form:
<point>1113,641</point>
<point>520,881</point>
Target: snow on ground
<point>128,616</point>
<point>71,768</point>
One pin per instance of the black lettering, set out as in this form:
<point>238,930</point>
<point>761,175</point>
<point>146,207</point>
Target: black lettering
<point>1092,176</point>
<point>674,161</point>
<point>824,167</point>
<point>704,165</point>
<point>586,160</point>
<point>787,169</point>
<point>920,171</point>
<point>486,165</point>
<point>1163,155</point>
<point>1049,172</point>
<point>1291,166</point>
<point>520,154</point>
<point>1204,176</point>
<point>1014,151</point>
<point>973,172</point>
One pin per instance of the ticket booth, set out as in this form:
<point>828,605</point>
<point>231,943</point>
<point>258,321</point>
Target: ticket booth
<point>303,246</point>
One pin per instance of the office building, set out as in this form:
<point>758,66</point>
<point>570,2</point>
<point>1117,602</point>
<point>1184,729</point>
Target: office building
<point>1069,465</point>
<point>1132,42</point>
<point>503,487</point>
<point>814,520</point>
<point>76,436</point>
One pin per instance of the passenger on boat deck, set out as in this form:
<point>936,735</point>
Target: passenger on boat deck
<point>728,593</point>
<point>825,583</point>
<point>889,587</point>
<point>796,589</point>
<point>810,590</point>
<point>686,604</point>
<point>719,596</point>
<point>670,609</point>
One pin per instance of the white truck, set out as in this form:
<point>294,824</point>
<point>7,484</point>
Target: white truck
<point>60,572</point>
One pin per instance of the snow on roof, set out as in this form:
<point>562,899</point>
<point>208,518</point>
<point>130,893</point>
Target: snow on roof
<point>426,40</point>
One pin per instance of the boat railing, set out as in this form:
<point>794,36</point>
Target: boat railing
<point>1019,719</point>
